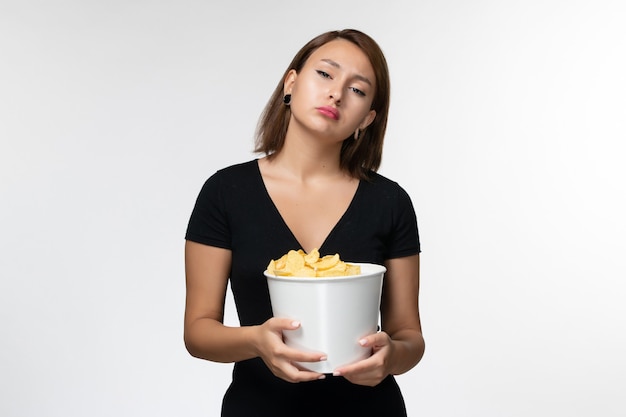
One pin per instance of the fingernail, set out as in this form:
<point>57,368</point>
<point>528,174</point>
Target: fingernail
<point>295,323</point>
<point>336,373</point>
<point>323,376</point>
<point>323,358</point>
<point>363,342</point>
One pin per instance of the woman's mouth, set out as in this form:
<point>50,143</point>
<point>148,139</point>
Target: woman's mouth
<point>329,112</point>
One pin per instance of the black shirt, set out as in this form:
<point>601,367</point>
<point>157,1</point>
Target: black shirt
<point>235,212</point>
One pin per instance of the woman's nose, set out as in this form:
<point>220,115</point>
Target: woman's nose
<point>335,93</point>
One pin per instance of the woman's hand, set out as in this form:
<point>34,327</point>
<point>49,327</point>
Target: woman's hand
<point>373,370</point>
<point>279,357</point>
<point>400,346</point>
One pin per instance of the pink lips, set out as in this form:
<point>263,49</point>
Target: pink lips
<point>329,112</point>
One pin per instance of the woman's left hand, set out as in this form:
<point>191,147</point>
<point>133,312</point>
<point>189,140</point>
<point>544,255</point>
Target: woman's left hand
<point>400,344</point>
<point>373,370</point>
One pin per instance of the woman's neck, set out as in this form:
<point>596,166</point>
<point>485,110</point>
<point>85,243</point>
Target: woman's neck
<point>307,158</point>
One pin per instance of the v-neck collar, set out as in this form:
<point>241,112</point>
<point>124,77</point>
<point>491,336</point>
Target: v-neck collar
<point>286,226</point>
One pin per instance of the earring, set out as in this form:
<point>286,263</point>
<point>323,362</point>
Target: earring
<point>287,99</point>
<point>356,134</point>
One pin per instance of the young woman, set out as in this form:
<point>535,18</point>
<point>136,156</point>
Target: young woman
<point>315,187</point>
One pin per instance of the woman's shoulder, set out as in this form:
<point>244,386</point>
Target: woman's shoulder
<point>235,174</point>
<point>384,192</point>
<point>239,169</point>
<point>233,177</point>
<point>381,183</point>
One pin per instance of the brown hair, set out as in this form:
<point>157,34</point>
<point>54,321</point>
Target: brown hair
<point>358,157</point>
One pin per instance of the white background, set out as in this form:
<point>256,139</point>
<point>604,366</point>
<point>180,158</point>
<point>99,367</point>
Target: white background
<point>507,127</point>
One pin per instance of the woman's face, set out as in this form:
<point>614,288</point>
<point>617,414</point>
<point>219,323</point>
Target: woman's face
<point>332,94</point>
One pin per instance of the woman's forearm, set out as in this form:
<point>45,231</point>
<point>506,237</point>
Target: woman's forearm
<point>211,340</point>
<point>408,348</point>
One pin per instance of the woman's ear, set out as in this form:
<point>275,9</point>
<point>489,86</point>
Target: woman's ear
<point>369,118</point>
<point>290,79</point>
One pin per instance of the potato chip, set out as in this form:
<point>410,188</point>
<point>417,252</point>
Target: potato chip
<point>295,260</point>
<point>301,264</point>
<point>312,257</point>
<point>353,269</point>
<point>272,266</point>
<point>305,272</point>
<point>327,261</point>
<point>281,263</point>
<point>337,270</point>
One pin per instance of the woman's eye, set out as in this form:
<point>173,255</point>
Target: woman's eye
<point>356,90</point>
<point>323,74</point>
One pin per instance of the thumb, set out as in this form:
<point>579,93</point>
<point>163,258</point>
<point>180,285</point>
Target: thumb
<point>286,324</point>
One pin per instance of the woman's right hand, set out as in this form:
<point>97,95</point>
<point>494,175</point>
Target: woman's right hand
<point>207,269</point>
<point>279,357</point>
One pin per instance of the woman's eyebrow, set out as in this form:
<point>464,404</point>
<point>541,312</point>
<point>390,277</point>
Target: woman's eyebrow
<point>336,65</point>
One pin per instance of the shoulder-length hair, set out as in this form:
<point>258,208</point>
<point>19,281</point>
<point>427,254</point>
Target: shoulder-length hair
<point>358,156</point>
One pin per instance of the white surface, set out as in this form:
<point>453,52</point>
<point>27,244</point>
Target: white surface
<point>335,313</point>
<point>507,128</point>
